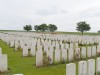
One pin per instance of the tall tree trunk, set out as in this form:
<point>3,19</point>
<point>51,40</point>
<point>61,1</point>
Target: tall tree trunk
<point>82,32</point>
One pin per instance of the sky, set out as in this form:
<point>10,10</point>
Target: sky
<point>65,14</point>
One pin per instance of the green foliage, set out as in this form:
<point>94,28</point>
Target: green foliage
<point>88,44</point>
<point>36,27</point>
<point>77,56</point>
<point>98,31</point>
<point>52,27</point>
<point>63,61</point>
<point>27,27</point>
<point>83,26</point>
<point>46,61</point>
<point>45,27</point>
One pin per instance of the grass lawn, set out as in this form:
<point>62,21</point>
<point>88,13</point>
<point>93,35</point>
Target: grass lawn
<point>57,32</point>
<point>79,33</point>
<point>26,65</point>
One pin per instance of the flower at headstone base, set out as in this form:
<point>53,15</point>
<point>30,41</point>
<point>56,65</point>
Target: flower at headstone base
<point>63,61</point>
<point>47,61</point>
<point>77,56</point>
<point>98,53</point>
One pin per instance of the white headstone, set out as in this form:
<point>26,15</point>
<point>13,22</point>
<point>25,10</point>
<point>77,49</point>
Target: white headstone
<point>83,52</point>
<point>91,67</point>
<point>16,46</point>
<point>51,47</point>
<point>39,58</point>
<point>62,46</point>
<point>67,46</point>
<point>82,68</point>
<point>25,51</point>
<point>50,56</point>
<point>22,45</point>
<point>98,65</point>
<point>64,54</point>
<point>57,46</point>
<point>45,48</point>
<point>57,55</point>
<point>76,45</point>
<point>39,47</point>
<point>93,50</point>
<point>98,49</point>
<point>3,63</point>
<point>77,53</point>
<point>33,50</point>
<point>11,43</point>
<point>71,45</point>
<point>71,69</point>
<point>70,54</point>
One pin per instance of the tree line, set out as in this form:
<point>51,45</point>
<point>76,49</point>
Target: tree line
<point>81,26</point>
<point>42,27</point>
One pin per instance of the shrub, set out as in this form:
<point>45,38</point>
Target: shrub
<point>98,53</point>
<point>47,61</point>
<point>63,61</point>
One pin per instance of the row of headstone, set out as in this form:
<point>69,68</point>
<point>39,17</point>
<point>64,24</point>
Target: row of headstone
<point>58,39</point>
<point>89,67</point>
<point>70,47</point>
<point>26,43</point>
<point>84,52</point>
<point>27,40</point>
<point>67,54</point>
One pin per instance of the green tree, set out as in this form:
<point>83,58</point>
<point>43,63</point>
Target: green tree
<point>83,26</point>
<point>98,31</point>
<point>36,27</point>
<point>27,27</point>
<point>43,27</point>
<point>52,27</point>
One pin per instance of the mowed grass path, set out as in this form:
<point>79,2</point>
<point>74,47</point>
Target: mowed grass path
<point>26,65</point>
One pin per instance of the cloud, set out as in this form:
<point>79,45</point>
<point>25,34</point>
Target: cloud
<point>14,14</point>
<point>50,11</point>
<point>90,13</point>
<point>92,17</point>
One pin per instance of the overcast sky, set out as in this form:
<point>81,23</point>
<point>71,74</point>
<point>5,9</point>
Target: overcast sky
<point>14,14</point>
